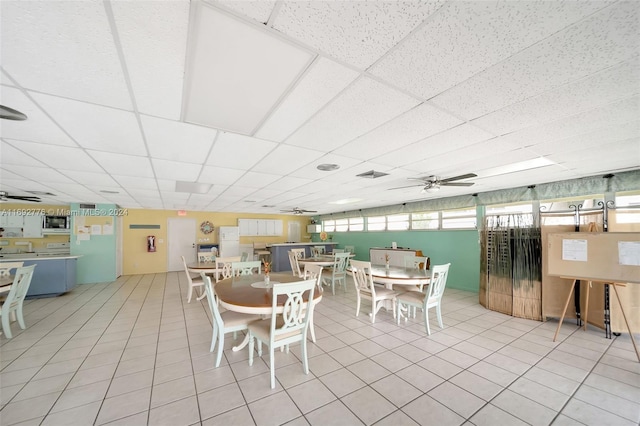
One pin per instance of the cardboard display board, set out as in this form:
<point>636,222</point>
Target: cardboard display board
<point>595,256</point>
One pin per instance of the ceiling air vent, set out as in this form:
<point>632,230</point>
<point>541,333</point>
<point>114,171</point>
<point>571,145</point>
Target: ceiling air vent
<point>372,174</point>
<point>88,206</point>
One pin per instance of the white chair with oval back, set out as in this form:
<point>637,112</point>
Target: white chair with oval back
<point>300,252</point>
<point>223,267</point>
<point>365,288</point>
<point>225,322</point>
<point>246,268</point>
<point>338,272</point>
<point>313,271</point>
<point>206,256</point>
<point>295,266</point>
<point>191,281</point>
<point>13,304</point>
<point>6,267</point>
<point>433,297</point>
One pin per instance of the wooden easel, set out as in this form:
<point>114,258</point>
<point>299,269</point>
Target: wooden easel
<point>586,311</point>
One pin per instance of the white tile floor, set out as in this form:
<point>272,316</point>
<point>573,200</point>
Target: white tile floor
<point>133,352</point>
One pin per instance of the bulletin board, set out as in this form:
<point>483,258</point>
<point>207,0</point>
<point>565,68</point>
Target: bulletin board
<point>595,256</point>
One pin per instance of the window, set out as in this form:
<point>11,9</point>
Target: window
<point>562,207</point>
<point>342,225</point>
<point>459,219</point>
<point>328,225</point>
<point>509,215</point>
<point>427,220</point>
<point>398,222</point>
<point>376,223</point>
<point>627,208</point>
<point>356,224</point>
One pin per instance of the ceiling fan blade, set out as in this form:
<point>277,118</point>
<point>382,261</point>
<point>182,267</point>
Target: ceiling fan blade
<point>467,176</point>
<point>11,114</point>
<point>423,179</point>
<point>409,186</point>
<point>31,199</point>
<point>456,183</point>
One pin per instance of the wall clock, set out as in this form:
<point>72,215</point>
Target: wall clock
<point>206,227</point>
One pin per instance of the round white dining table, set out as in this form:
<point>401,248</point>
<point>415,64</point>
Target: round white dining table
<point>399,275</point>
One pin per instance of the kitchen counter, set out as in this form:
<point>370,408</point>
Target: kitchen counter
<point>280,255</point>
<point>55,274</point>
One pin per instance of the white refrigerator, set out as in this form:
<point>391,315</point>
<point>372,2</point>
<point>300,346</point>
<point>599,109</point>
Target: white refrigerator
<point>229,241</point>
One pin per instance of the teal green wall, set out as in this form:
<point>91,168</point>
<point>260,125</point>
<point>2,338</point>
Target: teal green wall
<point>460,247</point>
<point>98,255</point>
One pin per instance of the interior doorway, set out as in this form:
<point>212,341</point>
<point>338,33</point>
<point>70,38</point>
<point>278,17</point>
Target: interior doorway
<point>293,232</point>
<point>181,241</point>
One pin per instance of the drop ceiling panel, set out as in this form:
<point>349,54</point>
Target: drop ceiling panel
<point>310,171</point>
<point>256,10</point>
<point>629,148</point>
<point>220,175</point>
<point>42,50</point>
<point>60,157</point>
<point>285,159</point>
<point>355,32</point>
<point>101,180</point>
<point>320,84</point>
<point>601,41</point>
<point>175,170</point>
<point>125,165</point>
<point>257,180</point>
<point>412,126</point>
<point>363,106</point>
<point>237,151</point>
<point>288,183</point>
<point>38,128</point>
<point>233,61</point>
<point>94,126</point>
<point>131,182</point>
<point>154,52</point>
<point>11,155</point>
<point>41,174</point>
<point>613,84</point>
<point>174,140</point>
<point>464,38</point>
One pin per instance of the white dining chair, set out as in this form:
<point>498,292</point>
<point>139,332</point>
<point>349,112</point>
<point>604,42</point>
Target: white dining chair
<point>6,267</point>
<point>337,250</point>
<point>350,249</point>
<point>432,298</point>
<point>15,299</point>
<point>317,250</point>
<point>295,266</point>
<point>223,267</point>
<point>338,272</point>
<point>289,327</point>
<point>366,289</point>
<point>246,268</point>
<point>224,322</point>
<point>313,272</point>
<point>191,280</point>
<point>300,252</point>
<point>206,256</point>
<point>260,252</point>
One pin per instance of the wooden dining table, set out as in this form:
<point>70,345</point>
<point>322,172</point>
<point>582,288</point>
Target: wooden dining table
<point>5,283</point>
<point>250,295</point>
<point>322,260</point>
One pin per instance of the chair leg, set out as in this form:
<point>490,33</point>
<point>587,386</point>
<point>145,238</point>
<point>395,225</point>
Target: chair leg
<point>213,337</point>
<point>272,367</point>
<point>399,310</point>
<point>426,321</point>
<point>305,361</point>
<point>21,318</point>
<point>373,311</point>
<point>251,343</point>
<point>357,304</point>
<point>189,294</point>
<point>6,325</point>
<point>220,347</point>
<point>439,314</point>
<point>311,328</point>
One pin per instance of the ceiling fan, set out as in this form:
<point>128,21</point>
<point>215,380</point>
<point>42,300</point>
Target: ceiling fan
<point>433,183</point>
<point>11,114</point>
<point>297,211</point>
<point>4,196</point>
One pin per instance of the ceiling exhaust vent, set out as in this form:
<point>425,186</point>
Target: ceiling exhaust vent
<point>372,174</point>
<point>88,206</point>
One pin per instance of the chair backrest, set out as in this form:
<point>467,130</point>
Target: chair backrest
<point>340,261</point>
<point>350,249</point>
<point>439,274</point>
<point>300,252</point>
<point>416,262</point>
<point>223,265</point>
<point>213,301</point>
<point>6,267</point>
<point>317,250</point>
<point>337,250</point>
<point>206,256</point>
<point>186,270</point>
<point>246,268</point>
<point>244,256</point>
<point>295,266</point>
<point>313,272</point>
<point>259,246</point>
<point>295,315</point>
<point>19,288</point>
<point>362,276</point>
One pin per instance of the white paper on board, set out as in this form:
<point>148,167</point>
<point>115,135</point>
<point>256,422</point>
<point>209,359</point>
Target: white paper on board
<point>107,229</point>
<point>84,237</point>
<point>96,229</point>
<point>629,253</point>
<point>574,250</point>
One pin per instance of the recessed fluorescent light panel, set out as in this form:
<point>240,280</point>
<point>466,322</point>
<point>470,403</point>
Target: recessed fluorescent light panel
<point>516,167</point>
<point>327,167</point>
<point>346,201</point>
<point>193,187</point>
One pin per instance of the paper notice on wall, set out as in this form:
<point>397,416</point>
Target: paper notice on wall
<point>574,250</point>
<point>96,229</point>
<point>84,237</point>
<point>83,230</point>
<point>107,229</point>
<point>629,253</point>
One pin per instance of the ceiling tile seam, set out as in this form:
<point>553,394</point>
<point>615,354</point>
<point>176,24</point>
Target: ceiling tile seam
<point>409,35</point>
<point>285,94</point>
<point>555,89</point>
<point>507,58</point>
<point>213,143</point>
<point>192,43</point>
<point>125,71</point>
<point>274,13</point>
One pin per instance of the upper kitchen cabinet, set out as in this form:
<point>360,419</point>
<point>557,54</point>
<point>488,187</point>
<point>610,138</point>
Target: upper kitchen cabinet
<point>260,227</point>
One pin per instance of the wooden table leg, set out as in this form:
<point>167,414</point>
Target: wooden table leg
<point>633,341</point>
<point>566,305</point>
